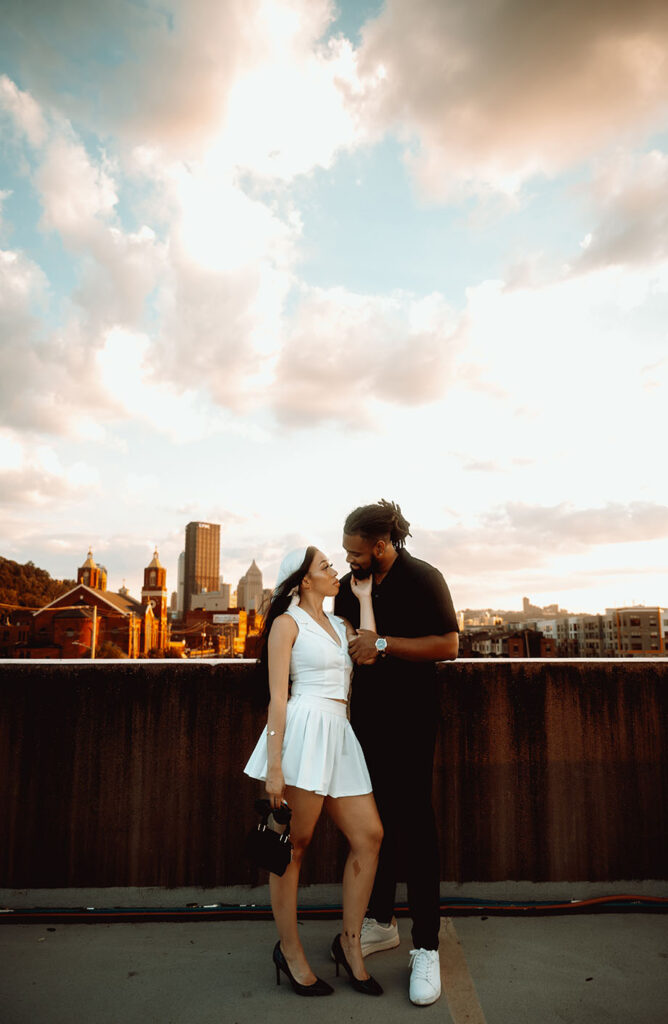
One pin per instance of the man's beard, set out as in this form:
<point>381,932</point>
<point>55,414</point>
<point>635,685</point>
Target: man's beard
<point>363,574</point>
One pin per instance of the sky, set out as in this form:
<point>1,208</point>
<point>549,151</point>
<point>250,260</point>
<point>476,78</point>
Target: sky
<point>263,261</point>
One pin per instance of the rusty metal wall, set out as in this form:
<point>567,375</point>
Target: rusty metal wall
<point>131,774</point>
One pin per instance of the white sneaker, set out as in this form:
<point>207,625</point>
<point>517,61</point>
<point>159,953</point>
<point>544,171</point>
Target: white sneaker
<point>425,984</point>
<point>375,936</point>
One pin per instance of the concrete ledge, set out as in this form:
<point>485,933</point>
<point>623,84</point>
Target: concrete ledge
<point>130,774</point>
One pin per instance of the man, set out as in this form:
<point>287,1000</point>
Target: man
<point>394,712</point>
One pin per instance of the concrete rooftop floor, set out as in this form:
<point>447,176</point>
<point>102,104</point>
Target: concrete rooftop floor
<point>607,968</point>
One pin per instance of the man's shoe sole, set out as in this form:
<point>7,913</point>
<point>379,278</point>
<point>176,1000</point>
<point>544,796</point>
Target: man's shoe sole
<point>378,947</point>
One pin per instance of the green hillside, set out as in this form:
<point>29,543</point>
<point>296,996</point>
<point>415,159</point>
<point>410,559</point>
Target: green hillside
<point>27,586</point>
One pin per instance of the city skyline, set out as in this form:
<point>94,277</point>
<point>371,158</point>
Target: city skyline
<point>528,609</point>
<point>263,262</point>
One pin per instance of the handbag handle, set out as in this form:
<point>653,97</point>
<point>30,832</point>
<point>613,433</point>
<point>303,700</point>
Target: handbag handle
<point>281,816</point>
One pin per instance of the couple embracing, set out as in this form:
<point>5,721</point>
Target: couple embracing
<point>393,620</point>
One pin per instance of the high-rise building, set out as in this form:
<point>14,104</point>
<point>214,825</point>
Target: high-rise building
<point>181,583</point>
<point>202,560</point>
<point>249,589</point>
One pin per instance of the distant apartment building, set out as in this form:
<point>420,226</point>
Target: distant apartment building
<point>575,636</point>
<point>501,643</point>
<point>555,629</point>
<point>640,631</point>
<point>201,571</point>
<point>586,636</point>
<point>622,632</point>
<point>481,644</point>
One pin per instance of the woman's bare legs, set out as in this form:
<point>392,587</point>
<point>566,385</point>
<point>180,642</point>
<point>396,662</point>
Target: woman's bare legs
<point>357,817</point>
<point>306,808</point>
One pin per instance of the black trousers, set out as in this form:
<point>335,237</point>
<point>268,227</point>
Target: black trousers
<point>399,751</point>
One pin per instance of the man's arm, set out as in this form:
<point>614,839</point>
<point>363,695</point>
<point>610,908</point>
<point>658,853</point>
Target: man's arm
<point>419,648</point>
<point>441,639</point>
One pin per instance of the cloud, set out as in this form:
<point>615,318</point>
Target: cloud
<point>521,537</point>
<point>204,278</point>
<point>182,57</point>
<point>496,93</point>
<point>563,526</point>
<point>4,195</point>
<point>482,466</point>
<point>204,306</point>
<point>48,381</point>
<point>79,196</point>
<point>345,352</point>
<point>76,194</point>
<point>33,475</point>
<point>249,79</point>
<point>629,203</point>
<point>24,111</point>
<point>136,389</point>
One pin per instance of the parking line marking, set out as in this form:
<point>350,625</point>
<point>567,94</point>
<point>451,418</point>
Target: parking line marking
<point>456,981</point>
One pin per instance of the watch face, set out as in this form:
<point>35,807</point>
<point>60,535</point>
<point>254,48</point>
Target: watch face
<point>381,643</point>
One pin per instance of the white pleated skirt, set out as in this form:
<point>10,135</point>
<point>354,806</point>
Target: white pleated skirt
<point>320,750</point>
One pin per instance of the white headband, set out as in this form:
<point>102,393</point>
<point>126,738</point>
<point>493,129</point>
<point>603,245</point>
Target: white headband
<point>292,561</point>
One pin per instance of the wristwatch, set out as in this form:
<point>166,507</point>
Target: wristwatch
<point>381,646</point>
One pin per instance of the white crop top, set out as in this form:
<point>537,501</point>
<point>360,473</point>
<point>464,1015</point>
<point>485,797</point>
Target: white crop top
<point>318,665</point>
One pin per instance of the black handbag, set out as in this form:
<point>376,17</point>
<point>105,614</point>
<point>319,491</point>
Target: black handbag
<point>268,849</point>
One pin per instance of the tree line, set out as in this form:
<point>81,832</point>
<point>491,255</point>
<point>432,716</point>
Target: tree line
<point>28,586</point>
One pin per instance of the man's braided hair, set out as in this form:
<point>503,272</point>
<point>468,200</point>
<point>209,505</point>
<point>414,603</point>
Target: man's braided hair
<point>379,520</point>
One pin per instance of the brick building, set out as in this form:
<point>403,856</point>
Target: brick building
<point>77,624</point>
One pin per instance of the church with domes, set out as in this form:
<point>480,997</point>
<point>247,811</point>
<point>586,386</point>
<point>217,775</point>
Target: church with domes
<point>90,621</point>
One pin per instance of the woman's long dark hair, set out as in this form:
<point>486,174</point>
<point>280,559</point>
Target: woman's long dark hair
<point>280,602</point>
<point>380,520</point>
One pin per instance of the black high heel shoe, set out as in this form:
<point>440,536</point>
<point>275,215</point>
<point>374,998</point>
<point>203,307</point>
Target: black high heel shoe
<point>369,986</point>
<point>318,988</point>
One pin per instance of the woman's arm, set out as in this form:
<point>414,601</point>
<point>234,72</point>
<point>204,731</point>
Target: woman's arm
<point>282,636</point>
<point>362,591</point>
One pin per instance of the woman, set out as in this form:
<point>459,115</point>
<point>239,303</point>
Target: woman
<point>310,757</point>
